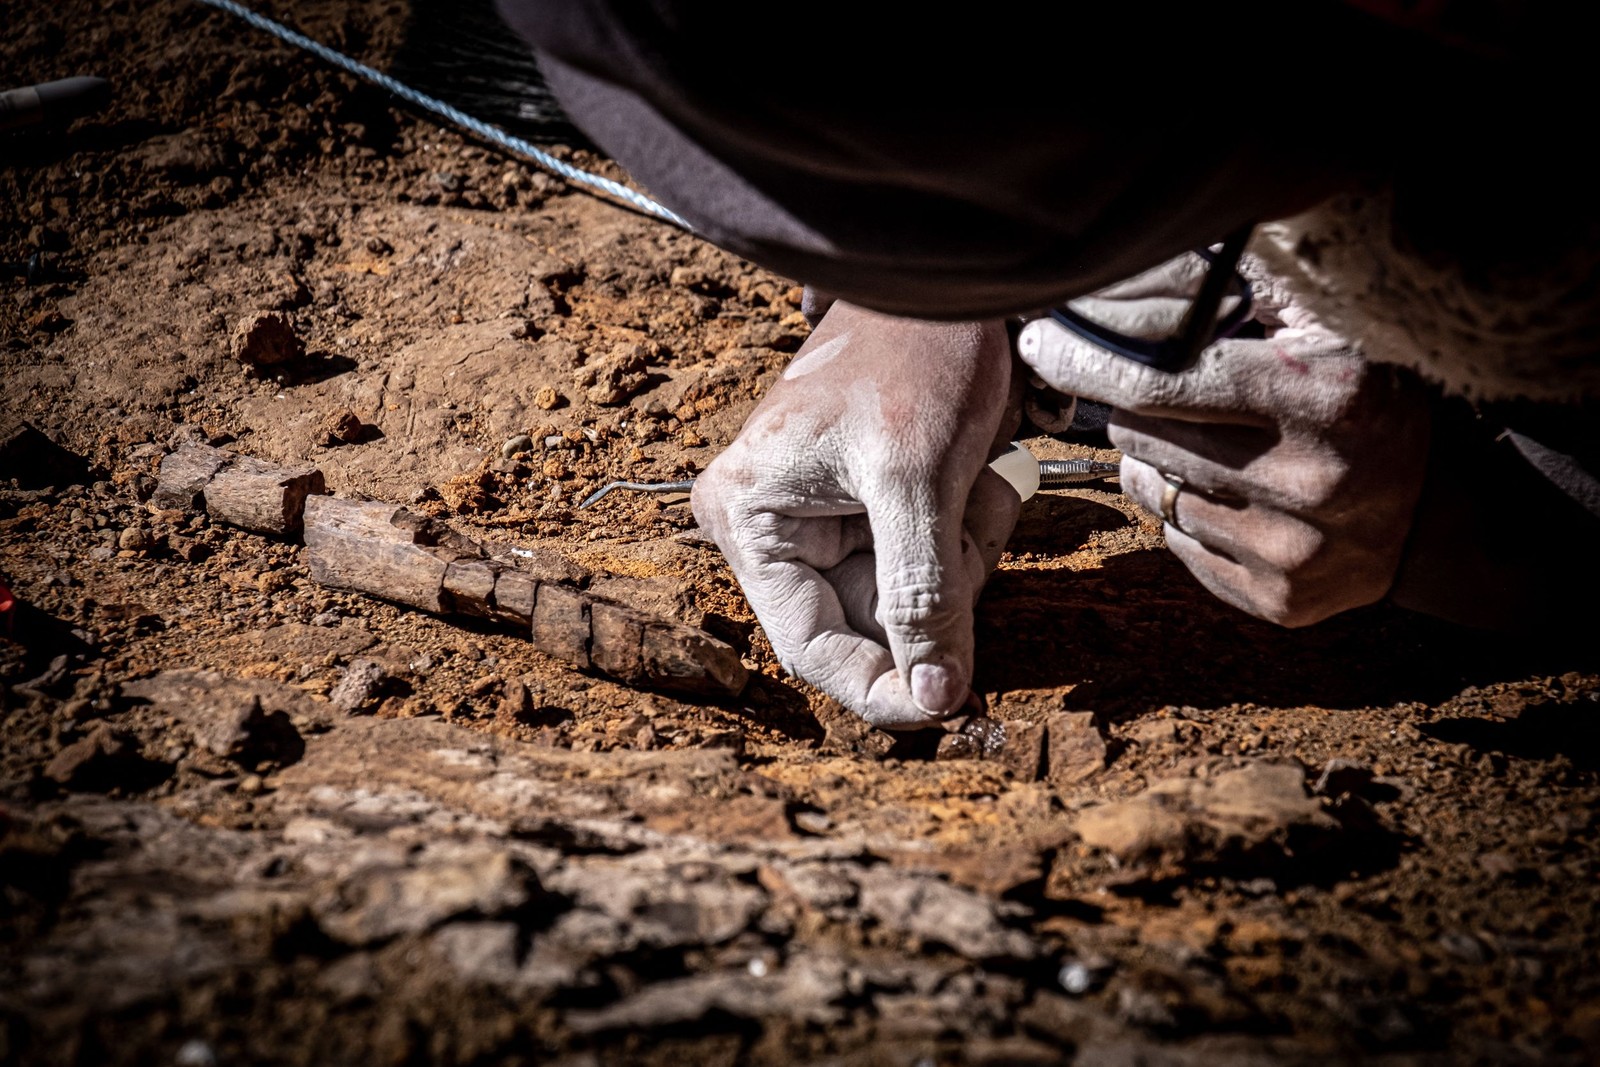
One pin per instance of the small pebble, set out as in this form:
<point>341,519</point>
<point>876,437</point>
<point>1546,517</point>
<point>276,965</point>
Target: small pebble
<point>546,398</point>
<point>195,1053</point>
<point>988,734</point>
<point>325,618</point>
<point>79,710</point>
<point>251,784</point>
<point>1075,979</point>
<point>957,746</point>
<point>520,443</point>
<point>360,684</point>
<point>812,822</point>
<point>1464,947</point>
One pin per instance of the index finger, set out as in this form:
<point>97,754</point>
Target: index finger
<point>1246,382</point>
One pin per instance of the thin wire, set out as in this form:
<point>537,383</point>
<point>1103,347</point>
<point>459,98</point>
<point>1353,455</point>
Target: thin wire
<point>514,145</point>
<point>641,487</point>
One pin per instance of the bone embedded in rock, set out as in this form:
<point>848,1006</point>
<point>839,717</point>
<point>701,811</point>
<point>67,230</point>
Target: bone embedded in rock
<point>185,475</point>
<point>262,496</point>
<point>561,624</point>
<point>470,585</point>
<point>691,660</point>
<point>514,595</point>
<point>617,634</point>
<point>357,545</point>
<point>238,490</point>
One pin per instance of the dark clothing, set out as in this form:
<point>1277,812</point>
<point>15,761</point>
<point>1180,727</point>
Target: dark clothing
<point>1007,161</point>
<point>968,167</point>
<point>1498,542</point>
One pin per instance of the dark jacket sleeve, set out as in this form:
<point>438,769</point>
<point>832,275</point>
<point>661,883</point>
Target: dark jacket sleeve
<point>977,164</point>
<point>1507,533</point>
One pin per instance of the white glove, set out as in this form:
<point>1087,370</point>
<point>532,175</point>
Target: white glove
<point>1300,464</point>
<point>857,512</point>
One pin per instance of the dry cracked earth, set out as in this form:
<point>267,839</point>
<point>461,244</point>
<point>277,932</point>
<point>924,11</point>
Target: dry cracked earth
<point>249,818</point>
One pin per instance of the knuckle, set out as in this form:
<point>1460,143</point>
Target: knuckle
<point>1313,484</point>
<point>911,602</point>
<point>1297,550</point>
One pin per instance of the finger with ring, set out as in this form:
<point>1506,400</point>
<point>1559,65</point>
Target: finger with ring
<point>1169,499</point>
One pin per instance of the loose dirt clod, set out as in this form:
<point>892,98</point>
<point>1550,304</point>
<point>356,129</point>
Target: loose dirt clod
<point>266,342</point>
<point>342,427</point>
<point>245,722</point>
<point>360,684</point>
<point>104,760</point>
<point>1075,751</point>
<point>1259,818</point>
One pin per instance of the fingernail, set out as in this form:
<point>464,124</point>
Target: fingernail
<point>936,688</point>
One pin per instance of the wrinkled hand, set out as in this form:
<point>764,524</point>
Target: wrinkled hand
<point>1300,463</point>
<point>858,514</point>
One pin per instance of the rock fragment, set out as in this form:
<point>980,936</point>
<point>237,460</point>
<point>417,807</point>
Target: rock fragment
<point>134,539</point>
<point>185,473</point>
<point>266,341</point>
<point>1254,819</point>
<point>246,721</point>
<point>262,496</point>
<point>958,745</point>
<point>1022,752</point>
<point>924,907</point>
<point>621,374</point>
<point>361,683</point>
<point>664,908</point>
<point>1075,750</point>
<point>483,952</point>
<point>342,427</point>
<point>378,903</point>
<point>99,762</point>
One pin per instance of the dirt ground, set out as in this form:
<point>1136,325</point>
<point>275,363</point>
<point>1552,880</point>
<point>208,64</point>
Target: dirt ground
<point>1369,841</point>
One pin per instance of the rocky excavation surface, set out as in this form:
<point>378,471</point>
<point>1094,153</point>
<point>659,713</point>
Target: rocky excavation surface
<point>249,817</point>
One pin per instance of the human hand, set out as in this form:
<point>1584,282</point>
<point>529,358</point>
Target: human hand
<point>1294,464</point>
<point>857,511</point>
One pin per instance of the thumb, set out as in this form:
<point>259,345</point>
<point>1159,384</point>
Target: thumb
<point>924,599</point>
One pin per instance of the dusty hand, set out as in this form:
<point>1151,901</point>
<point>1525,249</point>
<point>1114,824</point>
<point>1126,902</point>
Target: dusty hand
<point>1299,462</point>
<point>858,514</point>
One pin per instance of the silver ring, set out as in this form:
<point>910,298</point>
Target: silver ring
<point>1169,499</point>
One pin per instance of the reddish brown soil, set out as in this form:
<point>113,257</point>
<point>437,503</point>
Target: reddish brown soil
<point>499,859</point>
